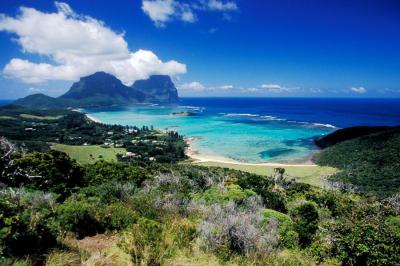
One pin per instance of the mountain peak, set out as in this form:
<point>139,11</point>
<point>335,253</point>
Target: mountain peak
<point>104,89</point>
<point>160,87</point>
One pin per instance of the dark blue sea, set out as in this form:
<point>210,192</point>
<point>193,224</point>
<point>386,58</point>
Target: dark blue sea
<point>340,112</point>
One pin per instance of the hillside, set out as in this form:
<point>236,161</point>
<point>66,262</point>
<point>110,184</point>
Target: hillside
<point>348,133</point>
<point>370,163</point>
<point>103,89</point>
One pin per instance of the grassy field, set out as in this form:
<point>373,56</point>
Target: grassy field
<point>27,116</point>
<point>89,154</point>
<point>313,175</point>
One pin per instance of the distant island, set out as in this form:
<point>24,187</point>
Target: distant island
<point>103,89</point>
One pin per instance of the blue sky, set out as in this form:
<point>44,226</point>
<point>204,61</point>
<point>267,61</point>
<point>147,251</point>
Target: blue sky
<point>211,47</point>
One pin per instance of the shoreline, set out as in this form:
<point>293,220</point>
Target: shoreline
<point>194,154</point>
<point>93,119</point>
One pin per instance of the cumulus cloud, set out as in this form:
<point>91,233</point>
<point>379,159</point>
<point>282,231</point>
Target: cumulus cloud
<point>163,11</point>
<point>195,85</point>
<point>76,46</point>
<point>359,90</point>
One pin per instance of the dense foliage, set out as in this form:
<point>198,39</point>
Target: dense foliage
<point>161,213</point>
<point>369,164</point>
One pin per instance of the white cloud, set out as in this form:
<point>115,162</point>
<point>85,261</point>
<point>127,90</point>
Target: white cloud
<point>159,11</point>
<point>221,6</point>
<point>76,46</point>
<point>163,11</point>
<point>188,16</point>
<point>274,88</point>
<point>359,90</point>
<point>195,85</point>
<point>226,87</point>
<point>35,90</point>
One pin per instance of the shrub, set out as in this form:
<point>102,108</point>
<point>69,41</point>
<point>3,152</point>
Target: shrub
<point>365,239</point>
<point>101,172</point>
<point>229,229</point>
<point>223,195</point>
<point>305,219</point>
<point>78,215</point>
<point>51,171</point>
<point>117,216</point>
<point>287,236</point>
<point>25,227</point>
<point>110,192</point>
<point>151,243</point>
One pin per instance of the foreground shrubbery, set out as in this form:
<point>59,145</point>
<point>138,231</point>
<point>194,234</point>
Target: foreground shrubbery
<point>183,214</point>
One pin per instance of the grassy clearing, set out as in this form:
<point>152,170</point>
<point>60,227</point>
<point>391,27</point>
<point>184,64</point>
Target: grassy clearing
<point>6,117</point>
<point>28,116</point>
<point>89,154</point>
<point>313,175</point>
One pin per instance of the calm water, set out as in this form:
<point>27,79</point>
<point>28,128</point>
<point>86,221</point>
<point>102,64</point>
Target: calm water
<point>257,129</point>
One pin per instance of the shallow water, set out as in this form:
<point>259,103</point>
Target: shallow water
<point>256,130</point>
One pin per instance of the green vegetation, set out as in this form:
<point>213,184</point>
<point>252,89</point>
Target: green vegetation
<point>368,164</point>
<point>313,175</point>
<point>33,130</point>
<point>35,117</point>
<point>90,154</point>
<point>165,214</point>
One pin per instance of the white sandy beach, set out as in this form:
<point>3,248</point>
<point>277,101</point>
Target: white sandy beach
<point>197,157</point>
<point>94,119</point>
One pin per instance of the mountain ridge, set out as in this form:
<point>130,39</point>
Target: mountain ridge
<point>103,89</point>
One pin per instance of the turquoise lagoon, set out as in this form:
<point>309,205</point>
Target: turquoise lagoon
<point>239,136</point>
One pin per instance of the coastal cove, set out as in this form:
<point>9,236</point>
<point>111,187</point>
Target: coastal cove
<point>254,130</point>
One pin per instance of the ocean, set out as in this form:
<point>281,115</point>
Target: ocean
<point>256,130</point>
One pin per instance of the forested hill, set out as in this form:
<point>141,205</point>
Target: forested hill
<point>348,133</point>
<point>369,163</point>
<point>103,89</point>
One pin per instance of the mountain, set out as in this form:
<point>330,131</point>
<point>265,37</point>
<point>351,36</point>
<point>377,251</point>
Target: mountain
<point>40,101</point>
<point>103,89</point>
<point>160,87</point>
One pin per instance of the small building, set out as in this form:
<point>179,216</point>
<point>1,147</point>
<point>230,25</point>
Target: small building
<point>130,154</point>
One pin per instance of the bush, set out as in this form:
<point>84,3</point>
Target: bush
<point>224,195</point>
<point>79,215</point>
<point>101,172</point>
<point>365,239</point>
<point>151,243</point>
<point>305,219</point>
<point>229,229</point>
<point>25,223</point>
<point>117,216</point>
<point>51,171</point>
<point>287,236</point>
